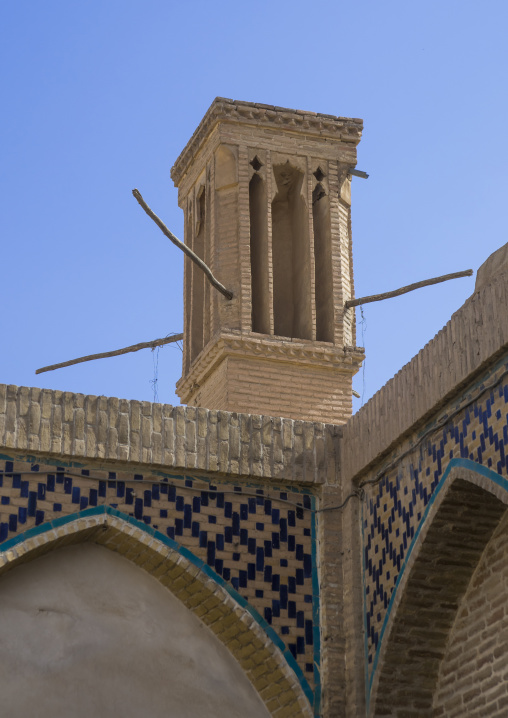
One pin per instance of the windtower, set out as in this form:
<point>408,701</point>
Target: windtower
<point>266,196</point>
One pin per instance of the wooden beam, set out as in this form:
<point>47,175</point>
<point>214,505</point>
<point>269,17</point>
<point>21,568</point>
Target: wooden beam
<point>404,290</point>
<point>117,352</point>
<point>197,260</point>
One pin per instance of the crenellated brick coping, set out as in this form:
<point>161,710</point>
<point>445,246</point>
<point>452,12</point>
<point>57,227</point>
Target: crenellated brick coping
<point>474,337</point>
<point>178,438</point>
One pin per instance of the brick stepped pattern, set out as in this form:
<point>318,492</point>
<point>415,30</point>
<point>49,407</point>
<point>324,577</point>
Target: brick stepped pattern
<point>394,505</point>
<point>260,539</point>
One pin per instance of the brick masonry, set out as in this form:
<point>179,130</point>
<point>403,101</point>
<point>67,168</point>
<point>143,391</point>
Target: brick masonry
<point>229,363</point>
<point>472,680</point>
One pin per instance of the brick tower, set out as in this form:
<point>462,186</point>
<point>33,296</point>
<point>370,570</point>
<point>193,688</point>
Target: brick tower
<point>266,195</point>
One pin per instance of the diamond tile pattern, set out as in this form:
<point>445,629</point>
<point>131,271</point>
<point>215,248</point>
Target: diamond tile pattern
<point>258,539</point>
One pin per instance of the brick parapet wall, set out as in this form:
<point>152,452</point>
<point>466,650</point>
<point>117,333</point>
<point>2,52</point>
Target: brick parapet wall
<point>473,338</point>
<point>163,436</point>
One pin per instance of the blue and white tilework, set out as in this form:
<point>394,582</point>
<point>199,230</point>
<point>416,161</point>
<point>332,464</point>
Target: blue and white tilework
<point>475,428</point>
<point>258,538</point>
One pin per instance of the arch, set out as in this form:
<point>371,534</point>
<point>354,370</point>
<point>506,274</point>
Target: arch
<point>461,516</point>
<point>269,666</point>
<point>323,263</point>
<point>290,255</point>
<point>259,256</point>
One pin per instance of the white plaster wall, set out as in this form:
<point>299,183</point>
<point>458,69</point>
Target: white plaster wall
<point>86,633</point>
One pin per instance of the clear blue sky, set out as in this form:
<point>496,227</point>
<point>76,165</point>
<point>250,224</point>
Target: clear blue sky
<point>99,97</point>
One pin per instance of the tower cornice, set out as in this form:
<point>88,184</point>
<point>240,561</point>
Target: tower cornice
<point>315,124</point>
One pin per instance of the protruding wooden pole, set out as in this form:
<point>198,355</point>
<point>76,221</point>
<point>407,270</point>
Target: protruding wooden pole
<point>117,352</point>
<point>158,221</point>
<point>404,290</point>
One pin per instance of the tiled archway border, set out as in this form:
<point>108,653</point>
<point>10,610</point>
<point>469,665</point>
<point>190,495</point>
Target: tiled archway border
<point>458,468</point>
<point>270,667</point>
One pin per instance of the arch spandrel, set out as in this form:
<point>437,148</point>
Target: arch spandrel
<point>272,671</point>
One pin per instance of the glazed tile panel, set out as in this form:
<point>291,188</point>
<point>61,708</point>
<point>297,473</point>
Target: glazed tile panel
<point>258,539</point>
<point>477,429</point>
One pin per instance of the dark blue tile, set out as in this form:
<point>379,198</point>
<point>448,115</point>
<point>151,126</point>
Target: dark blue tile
<point>13,522</point>
<point>32,503</point>
<point>260,559</point>
<point>76,495</point>
<point>6,500</point>
<point>284,596</point>
<point>210,553</point>
<point>22,515</point>
<point>39,517</point>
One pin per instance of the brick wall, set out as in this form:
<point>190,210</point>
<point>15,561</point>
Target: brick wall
<point>472,676</point>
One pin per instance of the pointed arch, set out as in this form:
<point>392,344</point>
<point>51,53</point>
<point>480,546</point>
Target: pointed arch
<point>460,518</point>
<point>269,666</point>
